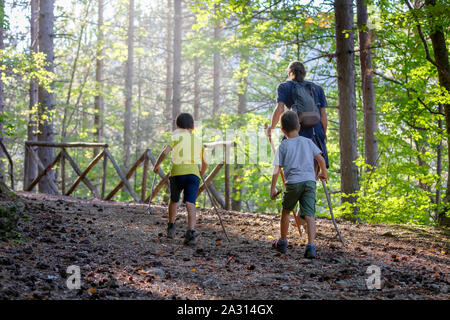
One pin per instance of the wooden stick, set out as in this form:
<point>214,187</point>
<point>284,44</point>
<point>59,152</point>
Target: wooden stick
<point>85,172</point>
<point>119,172</point>
<point>66,144</point>
<point>153,161</point>
<point>325,189</point>
<point>227,179</point>
<point>210,178</point>
<point>128,176</point>
<point>11,164</point>
<point>63,173</point>
<point>44,172</point>
<point>42,168</point>
<point>79,173</point>
<point>144,177</point>
<point>105,167</point>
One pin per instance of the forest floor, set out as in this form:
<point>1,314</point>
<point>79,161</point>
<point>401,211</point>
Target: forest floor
<point>123,253</point>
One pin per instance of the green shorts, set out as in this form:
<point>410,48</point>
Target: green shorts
<point>304,193</point>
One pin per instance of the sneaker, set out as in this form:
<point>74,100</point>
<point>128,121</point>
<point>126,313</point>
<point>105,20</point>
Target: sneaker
<point>171,230</point>
<point>189,238</point>
<point>280,245</point>
<point>310,251</point>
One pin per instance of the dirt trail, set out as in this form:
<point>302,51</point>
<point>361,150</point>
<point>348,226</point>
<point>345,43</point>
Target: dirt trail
<point>123,253</point>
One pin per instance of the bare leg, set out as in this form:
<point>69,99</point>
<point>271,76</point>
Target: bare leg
<point>191,215</point>
<point>172,211</point>
<point>284,223</point>
<point>311,229</point>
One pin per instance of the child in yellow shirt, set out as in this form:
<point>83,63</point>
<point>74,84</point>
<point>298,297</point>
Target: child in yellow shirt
<point>187,154</point>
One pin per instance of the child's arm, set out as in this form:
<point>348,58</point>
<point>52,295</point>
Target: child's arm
<point>204,164</point>
<point>323,175</point>
<point>273,190</point>
<point>161,158</point>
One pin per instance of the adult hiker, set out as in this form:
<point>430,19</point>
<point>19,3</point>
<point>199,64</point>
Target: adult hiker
<point>288,95</point>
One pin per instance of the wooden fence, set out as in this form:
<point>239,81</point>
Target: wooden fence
<point>145,159</point>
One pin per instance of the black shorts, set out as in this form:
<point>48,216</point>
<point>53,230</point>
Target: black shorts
<point>189,183</point>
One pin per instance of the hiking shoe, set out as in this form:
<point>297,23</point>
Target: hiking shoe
<point>310,251</point>
<point>171,230</point>
<point>280,245</point>
<point>189,238</point>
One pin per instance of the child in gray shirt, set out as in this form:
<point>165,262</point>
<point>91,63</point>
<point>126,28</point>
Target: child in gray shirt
<point>296,156</point>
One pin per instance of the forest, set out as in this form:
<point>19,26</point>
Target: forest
<point>86,80</point>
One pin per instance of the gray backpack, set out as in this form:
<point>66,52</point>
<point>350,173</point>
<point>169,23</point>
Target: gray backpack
<point>304,104</point>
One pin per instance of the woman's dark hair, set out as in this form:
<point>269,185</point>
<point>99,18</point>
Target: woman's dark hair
<point>289,121</point>
<point>298,69</point>
<point>185,121</point>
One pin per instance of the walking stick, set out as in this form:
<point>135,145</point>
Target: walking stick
<point>215,209</point>
<point>297,222</point>
<point>331,211</point>
<point>150,199</point>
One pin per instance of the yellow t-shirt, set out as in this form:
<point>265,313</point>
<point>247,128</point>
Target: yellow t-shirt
<point>187,152</point>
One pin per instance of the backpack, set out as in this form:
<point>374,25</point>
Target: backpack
<point>304,104</point>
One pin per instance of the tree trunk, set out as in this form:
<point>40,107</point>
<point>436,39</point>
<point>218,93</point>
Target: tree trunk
<point>216,62</point>
<point>2,103</point>
<point>176,96</point>
<point>365,58</point>
<point>196,89</point>
<point>236,205</point>
<point>441,58</point>
<point>343,10</point>
<point>439,162</point>
<point>45,98</point>
<point>168,93</point>
<point>99,106</point>
<point>30,166</point>
<point>129,87</point>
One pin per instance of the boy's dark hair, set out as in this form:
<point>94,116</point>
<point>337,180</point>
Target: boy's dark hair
<point>297,68</point>
<point>185,121</point>
<point>289,121</point>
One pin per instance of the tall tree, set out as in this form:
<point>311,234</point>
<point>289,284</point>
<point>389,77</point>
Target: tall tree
<point>129,86</point>
<point>440,61</point>
<point>176,96</point>
<point>196,88</point>
<point>442,64</point>
<point>46,98</point>
<point>236,202</point>
<point>2,103</point>
<point>99,105</point>
<point>169,63</point>
<point>30,165</point>
<point>345,59</point>
<point>217,68</point>
<point>365,58</point>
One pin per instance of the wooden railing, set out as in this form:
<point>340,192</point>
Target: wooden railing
<point>145,159</point>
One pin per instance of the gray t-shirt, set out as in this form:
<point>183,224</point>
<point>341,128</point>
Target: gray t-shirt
<point>296,156</point>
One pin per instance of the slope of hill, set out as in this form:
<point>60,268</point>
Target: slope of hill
<point>123,253</point>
